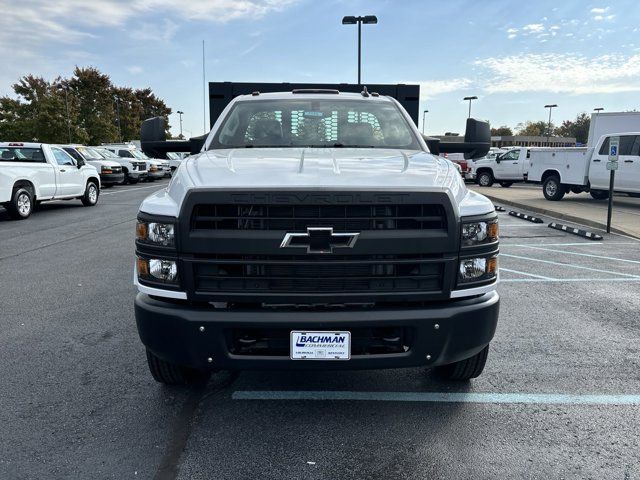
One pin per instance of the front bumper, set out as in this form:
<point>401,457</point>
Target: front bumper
<point>156,174</point>
<point>136,175</point>
<point>173,331</point>
<point>111,178</point>
<point>470,176</point>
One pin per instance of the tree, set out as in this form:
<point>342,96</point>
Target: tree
<point>87,107</point>
<point>578,128</point>
<point>535,129</point>
<point>502,131</point>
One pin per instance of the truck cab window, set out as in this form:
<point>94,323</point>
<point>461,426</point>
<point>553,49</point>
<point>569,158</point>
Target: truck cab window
<point>62,157</point>
<point>511,155</point>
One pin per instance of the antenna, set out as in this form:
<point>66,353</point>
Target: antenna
<point>204,95</point>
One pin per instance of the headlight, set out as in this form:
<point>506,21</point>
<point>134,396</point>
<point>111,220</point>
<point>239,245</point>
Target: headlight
<point>477,269</point>
<point>478,233</point>
<point>106,170</point>
<point>158,270</point>
<point>153,233</point>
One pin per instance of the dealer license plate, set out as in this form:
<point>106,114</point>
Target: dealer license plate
<point>320,345</point>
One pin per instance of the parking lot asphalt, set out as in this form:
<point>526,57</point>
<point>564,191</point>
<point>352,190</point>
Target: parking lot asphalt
<point>559,398</point>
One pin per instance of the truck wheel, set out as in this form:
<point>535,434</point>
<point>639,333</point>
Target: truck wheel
<point>171,374</point>
<point>91,193</point>
<point>465,369</point>
<point>485,179</point>
<point>552,188</point>
<point>506,184</point>
<point>21,204</point>
<point>599,194</point>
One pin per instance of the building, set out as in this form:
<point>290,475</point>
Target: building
<point>505,141</point>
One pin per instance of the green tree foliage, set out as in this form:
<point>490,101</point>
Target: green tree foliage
<point>502,131</point>
<point>535,129</point>
<point>578,128</point>
<point>38,111</point>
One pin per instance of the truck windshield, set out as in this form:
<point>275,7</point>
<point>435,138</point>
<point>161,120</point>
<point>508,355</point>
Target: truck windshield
<point>315,123</point>
<point>89,153</point>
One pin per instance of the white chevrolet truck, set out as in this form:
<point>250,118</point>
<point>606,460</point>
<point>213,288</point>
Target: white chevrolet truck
<point>503,166</point>
<point>315,230</point>
<point>31,173</point>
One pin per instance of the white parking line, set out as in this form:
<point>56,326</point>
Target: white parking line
<point>569,265</point>
<point>573,244</point>
<point>560,280</point>
<point>584,254</point>
<point>502,269</point>
<point>159,187</point>
<point>440,397</point>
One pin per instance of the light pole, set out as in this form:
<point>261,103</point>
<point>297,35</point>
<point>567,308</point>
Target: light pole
<point>470,99</point>
<point>117,99</point>
<point>66,104</point>
<point>424,116</point>
<point>550,107</point>
<point>180,113</point>
<point>368,20</point>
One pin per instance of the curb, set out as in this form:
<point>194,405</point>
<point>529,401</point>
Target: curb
<point>575,231</point>
<point>526,217</point>
<point>556,214</point>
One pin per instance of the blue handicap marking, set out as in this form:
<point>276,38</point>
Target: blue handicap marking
<point>614,150</point>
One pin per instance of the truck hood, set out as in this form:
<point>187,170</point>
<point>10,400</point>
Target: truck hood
<point>316,168</point>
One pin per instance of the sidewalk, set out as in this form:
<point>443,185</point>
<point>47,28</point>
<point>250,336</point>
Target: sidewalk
<point>577,208</point>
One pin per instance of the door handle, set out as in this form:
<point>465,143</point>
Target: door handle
<point>62,170</point>
<point>628,161</point>
<point>596,160</point>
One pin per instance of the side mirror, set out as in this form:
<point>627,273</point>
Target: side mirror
<point>477,141</point>
<point>80,163</point>
<point>498,157</point>
<point>153,140</point>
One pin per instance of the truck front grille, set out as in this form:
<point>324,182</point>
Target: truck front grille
<point>317,274</point>
<point>299,217</point>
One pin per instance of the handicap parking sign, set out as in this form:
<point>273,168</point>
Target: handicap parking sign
<point>614,143</point>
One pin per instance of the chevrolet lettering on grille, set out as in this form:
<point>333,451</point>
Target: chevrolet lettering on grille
<point>319,240</point>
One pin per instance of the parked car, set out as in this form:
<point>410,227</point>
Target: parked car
<point>31,173</point>
<point>564,170</point>
<point>279,247</point>
<point>134,170</point>
<point>155,168</point>
<point>505,167</point>
<point>110,171</point>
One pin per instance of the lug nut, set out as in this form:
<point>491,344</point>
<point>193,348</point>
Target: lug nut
<point>201,329</point>
<point>436,326</point>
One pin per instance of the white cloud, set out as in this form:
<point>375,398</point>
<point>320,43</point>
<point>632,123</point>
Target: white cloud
<point>564,73</point>
<point>512,30</point>
<point>135,69</point>
<point>534,27</point>
<point>599,11</point>
<point>433,88</point>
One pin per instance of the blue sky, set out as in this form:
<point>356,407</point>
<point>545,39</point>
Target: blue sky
<point>516,56</point>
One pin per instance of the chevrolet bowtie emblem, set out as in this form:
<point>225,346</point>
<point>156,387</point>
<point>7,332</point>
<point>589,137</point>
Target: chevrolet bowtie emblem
<point>319,240</point>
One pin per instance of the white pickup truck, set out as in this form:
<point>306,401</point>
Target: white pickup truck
<point>504,167</point>
<point>31,173</point>
<point>564,170</point>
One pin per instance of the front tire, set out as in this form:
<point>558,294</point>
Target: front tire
<point>506,184</point>
<point>465,369</point>
<point>552,188</point>
<point>172,374</point>
<point>485,179</point>
<point>91,194</point>
<point>21,205</point>
<point>599,194</point>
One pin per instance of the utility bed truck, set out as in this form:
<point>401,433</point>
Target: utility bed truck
<point>564,170</point>
<point>315,230</point>
<point>31,173</point>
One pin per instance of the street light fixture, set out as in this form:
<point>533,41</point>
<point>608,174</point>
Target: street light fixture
<point>470,99</point>
<point>180,113</point>
<point>424,115</point>
<point>368,20</point>
<point>550,107</point>
<point>598,109</point>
